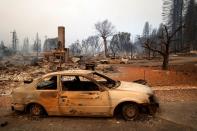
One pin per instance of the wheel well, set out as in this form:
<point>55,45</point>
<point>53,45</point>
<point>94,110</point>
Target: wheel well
<point>27,109</point>
<point>118,108</point>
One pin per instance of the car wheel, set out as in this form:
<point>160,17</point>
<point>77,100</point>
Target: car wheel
<point>36,110</point>
<point>130,111</point>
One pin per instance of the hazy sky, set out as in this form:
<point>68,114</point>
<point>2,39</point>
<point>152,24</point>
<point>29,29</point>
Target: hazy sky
<point>78,16</point>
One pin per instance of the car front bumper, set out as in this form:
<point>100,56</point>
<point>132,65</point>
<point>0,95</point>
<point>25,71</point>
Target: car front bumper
<point>153,105</point>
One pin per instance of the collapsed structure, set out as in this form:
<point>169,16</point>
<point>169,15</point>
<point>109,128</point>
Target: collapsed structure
<point>59,55</point>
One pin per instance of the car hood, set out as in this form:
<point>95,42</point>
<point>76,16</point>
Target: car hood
<point>131,86</point>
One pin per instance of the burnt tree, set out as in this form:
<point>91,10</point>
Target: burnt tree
<point>105,29</point>
<point>166,39</point>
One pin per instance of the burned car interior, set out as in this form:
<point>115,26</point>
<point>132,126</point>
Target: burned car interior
<point>48,84</point>
<point>77,83</point>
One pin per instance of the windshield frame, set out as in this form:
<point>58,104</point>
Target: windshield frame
<point>109,80</point>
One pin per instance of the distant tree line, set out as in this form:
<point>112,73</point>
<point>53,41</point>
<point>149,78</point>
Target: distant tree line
<point>118,44</point>
<point>90,46</point>
<point>121,44</point>
<point>25,47</point>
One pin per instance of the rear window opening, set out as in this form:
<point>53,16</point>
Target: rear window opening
<point>49,83</point>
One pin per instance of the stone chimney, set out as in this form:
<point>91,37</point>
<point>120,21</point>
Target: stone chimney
<point>61,37</point>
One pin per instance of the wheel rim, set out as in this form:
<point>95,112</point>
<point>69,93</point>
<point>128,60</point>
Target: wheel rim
<point>36,110</point>
<point>130,111</point>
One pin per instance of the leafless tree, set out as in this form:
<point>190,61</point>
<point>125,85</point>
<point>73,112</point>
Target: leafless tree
<point>120,43</point>
<point>25,47</point>
<point>37,44</point>
<point>114,45</point>
<point>105,29</point>
<point>148,33</point>
<point>165,42</point>
<point>75,48</point>
<point>14,41</point>
<point>91,45</point>
<point>94,44</point>
<point>85,47</point>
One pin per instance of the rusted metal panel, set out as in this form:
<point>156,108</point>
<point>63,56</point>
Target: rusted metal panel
<point>92,102</point>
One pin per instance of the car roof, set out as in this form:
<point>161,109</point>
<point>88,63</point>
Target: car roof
<point>70,72</point>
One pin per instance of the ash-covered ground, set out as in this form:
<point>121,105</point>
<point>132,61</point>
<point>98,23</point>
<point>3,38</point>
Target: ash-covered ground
<point>176,90</point>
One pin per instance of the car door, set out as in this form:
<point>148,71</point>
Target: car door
<point>81,96</point>
<point>48,93</point>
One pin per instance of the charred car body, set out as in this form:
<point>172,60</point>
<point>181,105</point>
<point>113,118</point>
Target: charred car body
<point>83,93</point>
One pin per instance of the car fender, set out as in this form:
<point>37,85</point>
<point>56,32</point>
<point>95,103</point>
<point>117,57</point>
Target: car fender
<point>35,102</point>
<point>136,100</point>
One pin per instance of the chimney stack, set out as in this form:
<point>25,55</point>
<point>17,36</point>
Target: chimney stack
<point>61,37</point>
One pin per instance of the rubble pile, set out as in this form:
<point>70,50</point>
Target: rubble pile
<point>12,76</point>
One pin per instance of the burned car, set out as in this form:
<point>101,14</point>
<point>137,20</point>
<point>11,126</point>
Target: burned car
<point>83,93</point>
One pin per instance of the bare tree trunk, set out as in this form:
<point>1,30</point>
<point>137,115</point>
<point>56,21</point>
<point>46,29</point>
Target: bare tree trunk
<point>149,53</point>
<point>105,46</point>
<point>165,62</point>
<point>114,55</point>
<point>166,57</point>
<point>165,52</point>
<point>154,54</point>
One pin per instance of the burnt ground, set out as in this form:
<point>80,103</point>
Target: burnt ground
<point>177,75</point>
<point>176,90</point>
<point>89,124</point>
